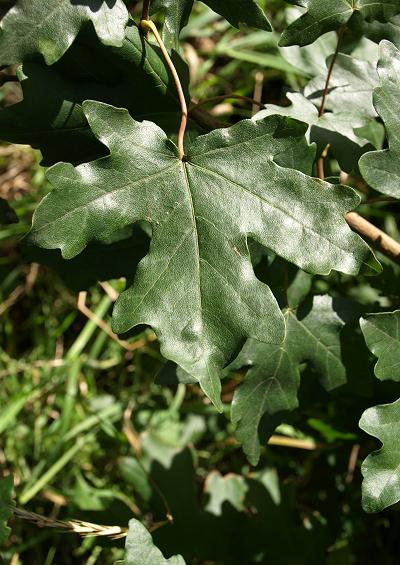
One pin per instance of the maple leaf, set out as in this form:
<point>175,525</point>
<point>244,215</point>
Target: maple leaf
<point>381,484</point>
<point>381,169</point>
<point>196,287</point>
<point>270,387</point>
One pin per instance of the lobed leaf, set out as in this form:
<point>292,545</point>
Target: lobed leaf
<point>48,28</point>
<point>381,169</point>
<point>269,390</point>
<point>196,287</point>
<point>382,335</point>
<point>140,549</point>
<point>381,469</point>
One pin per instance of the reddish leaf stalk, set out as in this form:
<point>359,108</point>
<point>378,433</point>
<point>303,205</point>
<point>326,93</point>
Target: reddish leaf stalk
<point>320,164</point>
<point>147,25</point>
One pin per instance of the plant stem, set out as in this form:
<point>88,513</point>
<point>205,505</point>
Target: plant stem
<point>147,25</point>
<point>146,10</point>
<point>320,164</point>
<point>376,237</point>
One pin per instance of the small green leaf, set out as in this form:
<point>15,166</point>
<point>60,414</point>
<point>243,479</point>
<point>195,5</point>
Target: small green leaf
<point>381,169</point>
<point>35,27</point>
<point>381,469</point>
<point>232,184</point>
<point>382,334</point>
<point>140,549</point>
<point>230,489</point>
<point>6,488</point>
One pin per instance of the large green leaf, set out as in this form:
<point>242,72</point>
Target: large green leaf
<point>6,487</point>
<point>49,28</point>
<point>51,118</point>
<point>269,390</point>
<point>140,549</point>
<point>336,129</point>
<point>177,13</point>
<point>382,335</point>
<point>196,287</point>
<point>328,15</point>
<point>381,469</point>
<point>381,169</point>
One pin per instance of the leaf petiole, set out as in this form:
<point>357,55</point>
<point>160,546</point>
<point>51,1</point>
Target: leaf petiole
<point>148,25</point>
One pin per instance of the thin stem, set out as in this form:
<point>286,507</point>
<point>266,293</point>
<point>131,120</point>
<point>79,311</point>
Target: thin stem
<point>225,97</point>
<point>320,163</point>
<point>147,25</point>
<point>146,10</point>
<point>330,71</point>
<point>376,237</point>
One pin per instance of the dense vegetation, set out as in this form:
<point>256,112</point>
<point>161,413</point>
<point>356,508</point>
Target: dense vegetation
<point>199,282</point>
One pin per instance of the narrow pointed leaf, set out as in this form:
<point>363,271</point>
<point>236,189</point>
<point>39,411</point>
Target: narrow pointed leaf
<point>233,183</point>
<point>48,28</point>
<point>140,548</point>
<point>382,335</point>
<point>381,469</point>
<point>381,169</point>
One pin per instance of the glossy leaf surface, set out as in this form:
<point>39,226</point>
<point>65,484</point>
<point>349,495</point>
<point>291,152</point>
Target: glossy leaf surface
<point>381,469</point>
<point>381,169</point>
<point>382,335</point>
